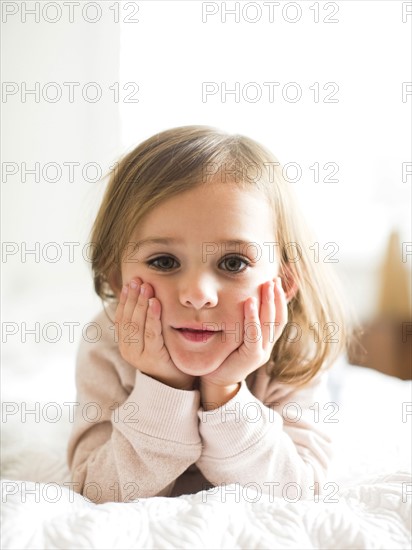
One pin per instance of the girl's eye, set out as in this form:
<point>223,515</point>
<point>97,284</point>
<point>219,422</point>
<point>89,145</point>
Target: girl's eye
<point>164,263</point>
<point>232,263</point>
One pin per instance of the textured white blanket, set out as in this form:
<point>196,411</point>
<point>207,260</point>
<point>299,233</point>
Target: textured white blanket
<point>366,503</point>
<point>369,515</point>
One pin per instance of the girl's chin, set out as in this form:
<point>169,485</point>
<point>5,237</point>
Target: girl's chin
<point>194,370</point>
<point>194,365</point>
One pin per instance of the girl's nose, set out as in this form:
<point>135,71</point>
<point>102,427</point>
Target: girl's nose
<point>198,292</point>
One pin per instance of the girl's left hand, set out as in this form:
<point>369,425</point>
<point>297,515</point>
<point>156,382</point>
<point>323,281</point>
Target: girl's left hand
<point>261,331</point>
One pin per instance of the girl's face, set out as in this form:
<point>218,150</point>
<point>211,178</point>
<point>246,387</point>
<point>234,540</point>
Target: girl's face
<point>198,273</point>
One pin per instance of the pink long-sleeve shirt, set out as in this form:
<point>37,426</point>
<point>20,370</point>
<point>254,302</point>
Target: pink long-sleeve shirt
<point>135,437</point>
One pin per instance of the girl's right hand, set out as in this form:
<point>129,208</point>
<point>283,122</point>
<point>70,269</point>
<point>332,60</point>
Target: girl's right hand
<point>139,334</point>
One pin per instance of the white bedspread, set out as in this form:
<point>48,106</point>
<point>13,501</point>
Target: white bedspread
<point>367,503</point>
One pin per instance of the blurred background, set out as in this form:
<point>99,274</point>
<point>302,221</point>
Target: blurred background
<point>325,85</point>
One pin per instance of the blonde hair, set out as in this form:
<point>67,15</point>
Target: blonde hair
<point>179,159</point>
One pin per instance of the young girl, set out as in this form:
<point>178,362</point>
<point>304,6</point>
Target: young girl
<point>210,363</point>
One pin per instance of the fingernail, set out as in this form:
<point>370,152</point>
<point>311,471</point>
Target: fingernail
<point>125,289</point>
<point>133,284</point>
<point>142,290</point>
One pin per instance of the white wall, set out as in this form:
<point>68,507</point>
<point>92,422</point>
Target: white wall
<point>36,130</point>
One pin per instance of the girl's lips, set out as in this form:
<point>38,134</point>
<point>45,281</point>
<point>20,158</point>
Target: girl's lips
<point>197,335</point>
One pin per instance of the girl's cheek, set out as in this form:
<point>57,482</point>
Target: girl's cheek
<point>251,289</point>
<point>236,302</point>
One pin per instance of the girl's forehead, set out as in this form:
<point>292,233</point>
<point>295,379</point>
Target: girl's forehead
<point>218,210</point>
<point>215,195</point>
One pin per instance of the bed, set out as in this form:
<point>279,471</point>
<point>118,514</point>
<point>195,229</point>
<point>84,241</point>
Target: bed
<point>366,502</point>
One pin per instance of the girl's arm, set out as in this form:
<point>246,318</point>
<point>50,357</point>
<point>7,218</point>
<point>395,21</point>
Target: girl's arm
<point>275,438</point>
<point>133,436</point>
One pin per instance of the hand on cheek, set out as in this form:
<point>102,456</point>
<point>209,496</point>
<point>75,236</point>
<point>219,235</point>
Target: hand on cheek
<point>262,328</point>
<point>139,334</point>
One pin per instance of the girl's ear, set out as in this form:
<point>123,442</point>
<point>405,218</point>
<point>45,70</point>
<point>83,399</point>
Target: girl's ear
<point>289,284</point>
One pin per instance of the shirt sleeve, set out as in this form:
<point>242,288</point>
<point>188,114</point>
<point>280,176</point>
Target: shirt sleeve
<point>124,444</point>
<point>281,446</point>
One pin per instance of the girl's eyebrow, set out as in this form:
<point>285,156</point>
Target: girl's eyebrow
<point>156,240</point>
<point>169,240</point>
